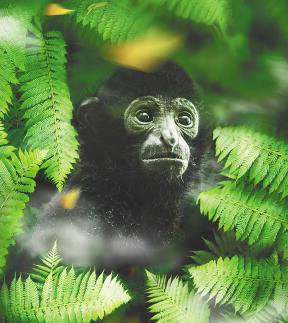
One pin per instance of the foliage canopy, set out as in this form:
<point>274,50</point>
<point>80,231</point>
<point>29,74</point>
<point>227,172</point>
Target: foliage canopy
<point>240,70</point>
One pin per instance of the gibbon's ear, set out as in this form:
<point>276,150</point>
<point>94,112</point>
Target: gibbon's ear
<point>82,114</point>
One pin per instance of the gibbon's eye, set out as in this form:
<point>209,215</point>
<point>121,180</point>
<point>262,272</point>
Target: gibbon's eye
<point>144,116</point>
<point>185,119</point>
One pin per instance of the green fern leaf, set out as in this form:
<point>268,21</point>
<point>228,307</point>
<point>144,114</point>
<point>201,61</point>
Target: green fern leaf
<point>47,105</point>
<point>173,302</point>
<point>5,149</point>
<point>246,283</point>
<point>15,20</point>
<point>7,77</point>
<point>262,158</point>
<point>209,12</point>
<point>114,20</point>
<point>14,126</point>
<point>254,216</point>
<point>16,17</point>
<point>50,266</point>
<point>16,177</point>
<point>225,245</point>
<point>268,314</point>
<point>62,300</point>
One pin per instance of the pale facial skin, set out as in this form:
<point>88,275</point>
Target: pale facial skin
<point>163,122</point>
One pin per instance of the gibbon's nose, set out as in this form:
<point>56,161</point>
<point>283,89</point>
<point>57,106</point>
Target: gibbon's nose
<point>169,133</point>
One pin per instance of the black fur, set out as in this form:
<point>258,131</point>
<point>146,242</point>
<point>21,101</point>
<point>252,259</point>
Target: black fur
<point>117,196</point>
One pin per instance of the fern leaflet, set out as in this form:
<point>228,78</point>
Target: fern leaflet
<point>114,20</point>
<point>268,314</point>
<point>73,298</point>
<point>262,158</point>
<point>47,105</point>
<point>255,217</point>
<point>5,149</point>
<point>172,301</point>
<point>225,244</point>
<point>16,177</point>
<point>7,77</point>
<point>209,12</point>
<point>50,266</point>
<point>16,18</point>
<point>15,127</point>
<point>246,283</point>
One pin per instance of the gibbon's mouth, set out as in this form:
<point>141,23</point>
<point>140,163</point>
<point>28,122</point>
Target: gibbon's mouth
<point>164,156</point>
<point>164,160</point>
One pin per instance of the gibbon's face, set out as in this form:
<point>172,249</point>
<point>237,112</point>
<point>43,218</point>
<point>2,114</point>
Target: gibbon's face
<point>165,124</point>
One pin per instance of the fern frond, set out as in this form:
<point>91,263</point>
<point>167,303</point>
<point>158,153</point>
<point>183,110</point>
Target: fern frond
<point>15,20</point>
<point>16,178</point>
<point>72,298</point>
<point>16,17</point>
<point>247,152</point>
<point>47,105</point>
<point>209,12</point>
<point>5,149</point>
<point>114,20</point>
<point>50,265</point>
<point>254,216</point>
<point>15,128</point>
<point>173,302</point>
<point>268,314</point>
<point>7,77</point>
<point>224,245</point>
<point>246,283</point>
